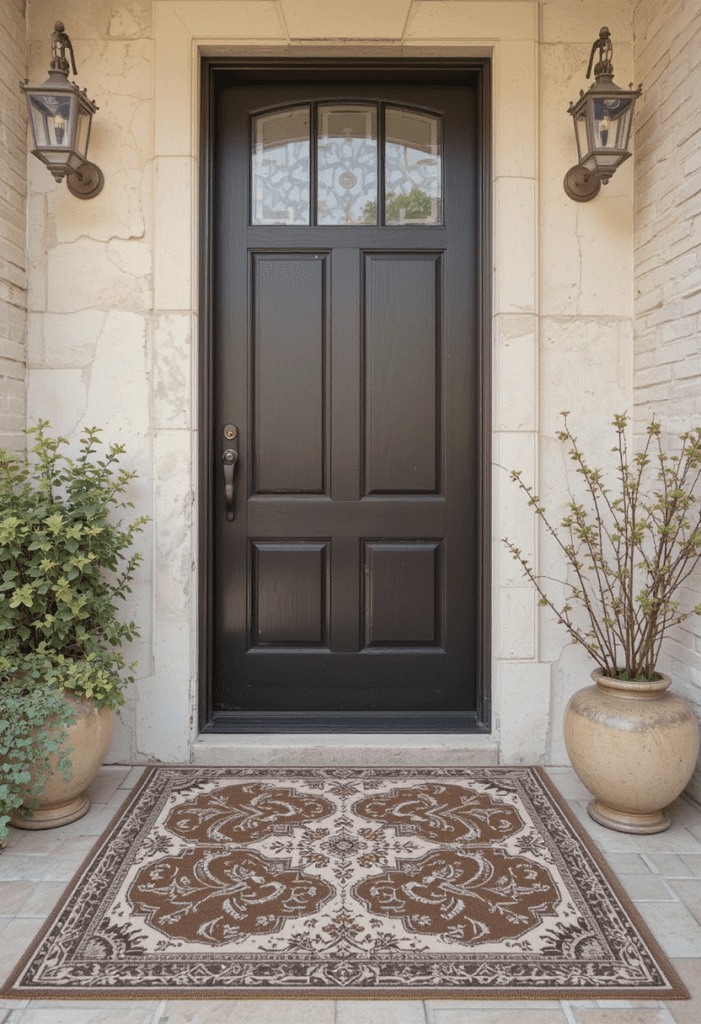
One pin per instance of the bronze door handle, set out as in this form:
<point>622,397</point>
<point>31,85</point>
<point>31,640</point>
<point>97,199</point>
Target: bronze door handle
<point>230,457</point>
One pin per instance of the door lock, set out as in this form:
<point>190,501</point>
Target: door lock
<point>230,457</point>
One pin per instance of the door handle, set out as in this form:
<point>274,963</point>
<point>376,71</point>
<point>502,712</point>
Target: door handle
<point>230,457</point>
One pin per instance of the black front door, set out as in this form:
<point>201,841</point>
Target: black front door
<point>345,500</point>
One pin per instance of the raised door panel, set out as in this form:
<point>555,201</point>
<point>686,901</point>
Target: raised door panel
<point>289,373</point>
<point>402,594</point>
<point>289,603</point>
<point>402,373</point>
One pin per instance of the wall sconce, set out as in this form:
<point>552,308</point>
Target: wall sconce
<point>603,117</point>
<point>60,115</point>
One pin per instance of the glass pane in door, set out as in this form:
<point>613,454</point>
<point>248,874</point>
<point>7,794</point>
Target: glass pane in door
<point>413,192</point>
<point>280,167</point>
<point>347,164</point>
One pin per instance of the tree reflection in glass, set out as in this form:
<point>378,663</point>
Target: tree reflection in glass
<point>413,192</point>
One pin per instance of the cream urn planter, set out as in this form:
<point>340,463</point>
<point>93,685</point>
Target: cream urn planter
<point>634,745</point>
<point>88,739</point>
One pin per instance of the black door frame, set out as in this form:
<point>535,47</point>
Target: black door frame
<point>264,69</point>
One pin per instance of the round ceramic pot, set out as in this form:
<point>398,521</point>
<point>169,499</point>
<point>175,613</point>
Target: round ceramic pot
<point>634,746</point>
<point>88,740</point>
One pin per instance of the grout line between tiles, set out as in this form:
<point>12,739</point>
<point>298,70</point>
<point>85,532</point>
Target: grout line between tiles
<point>567,1010</point>
<point>160,1010</point>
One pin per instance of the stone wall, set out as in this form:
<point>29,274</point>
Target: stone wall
<point>13,190</point>
<point>113,307</point>
<point>667,370</point>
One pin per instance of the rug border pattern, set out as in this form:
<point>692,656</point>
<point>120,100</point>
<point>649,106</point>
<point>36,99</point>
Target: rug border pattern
<point>676,989</point>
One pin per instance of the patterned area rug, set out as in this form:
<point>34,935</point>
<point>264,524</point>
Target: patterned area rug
<point>345,882</point>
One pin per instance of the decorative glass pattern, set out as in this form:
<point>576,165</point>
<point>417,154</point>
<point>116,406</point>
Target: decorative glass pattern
<point>413,193</point>
<point>347,164</point>
<point>280,167</point>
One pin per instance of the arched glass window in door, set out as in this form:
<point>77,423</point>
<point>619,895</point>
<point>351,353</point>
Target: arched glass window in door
<point>347,164</point>
<point>355,147</point>
<point>280,167</point>
<point>413,193</point>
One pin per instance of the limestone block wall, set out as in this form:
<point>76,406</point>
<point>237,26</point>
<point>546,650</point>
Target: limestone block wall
<point>584,324</point>
<point>667,368</point>
<point>113,312</point>
<point>13,256</point>
<point>91,331</point>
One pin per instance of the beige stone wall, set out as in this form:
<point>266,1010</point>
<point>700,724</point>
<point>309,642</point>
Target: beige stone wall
<point>113,307</point>
<point>13,257</point>
<point>667,374</point>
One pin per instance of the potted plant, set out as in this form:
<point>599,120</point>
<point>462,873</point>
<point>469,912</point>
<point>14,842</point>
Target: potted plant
<point>629,550</point>
<point>64,565</point>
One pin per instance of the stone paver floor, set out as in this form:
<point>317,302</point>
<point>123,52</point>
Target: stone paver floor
<point>662,874</point>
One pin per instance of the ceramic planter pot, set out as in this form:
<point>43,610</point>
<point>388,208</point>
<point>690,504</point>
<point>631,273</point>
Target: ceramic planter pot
<point>88,737</point>
<point>634,746</point>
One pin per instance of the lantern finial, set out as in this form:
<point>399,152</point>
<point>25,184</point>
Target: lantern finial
<point>605,47</point>
<point>60,42</point>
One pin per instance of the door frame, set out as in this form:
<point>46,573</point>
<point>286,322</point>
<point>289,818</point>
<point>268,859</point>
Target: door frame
<point>266,69</point>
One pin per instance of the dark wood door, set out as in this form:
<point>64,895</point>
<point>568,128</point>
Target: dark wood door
<point>345,588</point>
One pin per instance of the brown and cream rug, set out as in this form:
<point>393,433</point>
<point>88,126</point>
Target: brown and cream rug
<point>345,882</point>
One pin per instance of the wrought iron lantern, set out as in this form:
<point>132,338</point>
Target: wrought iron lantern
<point>603,117</point>
<point>60,115</point>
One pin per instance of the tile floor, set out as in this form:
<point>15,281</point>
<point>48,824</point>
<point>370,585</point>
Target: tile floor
<point>662,874</point>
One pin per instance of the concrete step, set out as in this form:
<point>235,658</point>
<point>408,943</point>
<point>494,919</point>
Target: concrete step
<point>376,749</point>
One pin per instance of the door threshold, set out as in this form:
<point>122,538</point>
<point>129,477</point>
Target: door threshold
<point>372,749</point>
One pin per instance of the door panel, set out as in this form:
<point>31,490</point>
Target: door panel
<point>402,372</point>
<point>346,353</point>
<point>290,341</point>
<point>289,594</point>
<point>402,594</point>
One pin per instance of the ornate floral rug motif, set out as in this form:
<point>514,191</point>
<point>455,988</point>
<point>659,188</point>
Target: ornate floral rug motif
<point>356,882</point>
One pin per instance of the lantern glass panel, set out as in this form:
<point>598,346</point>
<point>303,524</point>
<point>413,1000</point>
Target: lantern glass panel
<point>580,131</point>
<point>83,133</point>
<point>52,120</point>
<point>612,117</point>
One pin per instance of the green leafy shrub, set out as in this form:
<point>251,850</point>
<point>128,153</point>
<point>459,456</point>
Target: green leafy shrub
<point>65,564</point>
<point>33,720</point>
<point>628,550</point>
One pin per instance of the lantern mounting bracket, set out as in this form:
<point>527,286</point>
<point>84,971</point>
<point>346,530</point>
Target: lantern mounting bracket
<point>87,182</point>
<point>581,184</point>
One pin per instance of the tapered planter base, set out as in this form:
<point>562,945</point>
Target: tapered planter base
<point>63,801</point>
<point>53,817</point>
<point>642,824</point>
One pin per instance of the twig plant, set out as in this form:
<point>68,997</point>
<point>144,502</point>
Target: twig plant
<point>629,552</point>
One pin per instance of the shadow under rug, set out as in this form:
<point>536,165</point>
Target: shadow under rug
<point>345,882</point>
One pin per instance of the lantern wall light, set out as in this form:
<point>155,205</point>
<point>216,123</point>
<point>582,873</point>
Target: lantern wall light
<point>603,117</point>
<point>60,115</point>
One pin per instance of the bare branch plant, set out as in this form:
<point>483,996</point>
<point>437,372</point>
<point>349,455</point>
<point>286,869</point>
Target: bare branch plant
<point>628,553</point>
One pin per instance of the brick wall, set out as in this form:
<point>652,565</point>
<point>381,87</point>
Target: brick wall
<point>13,267</point>
<point>667,368</point>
